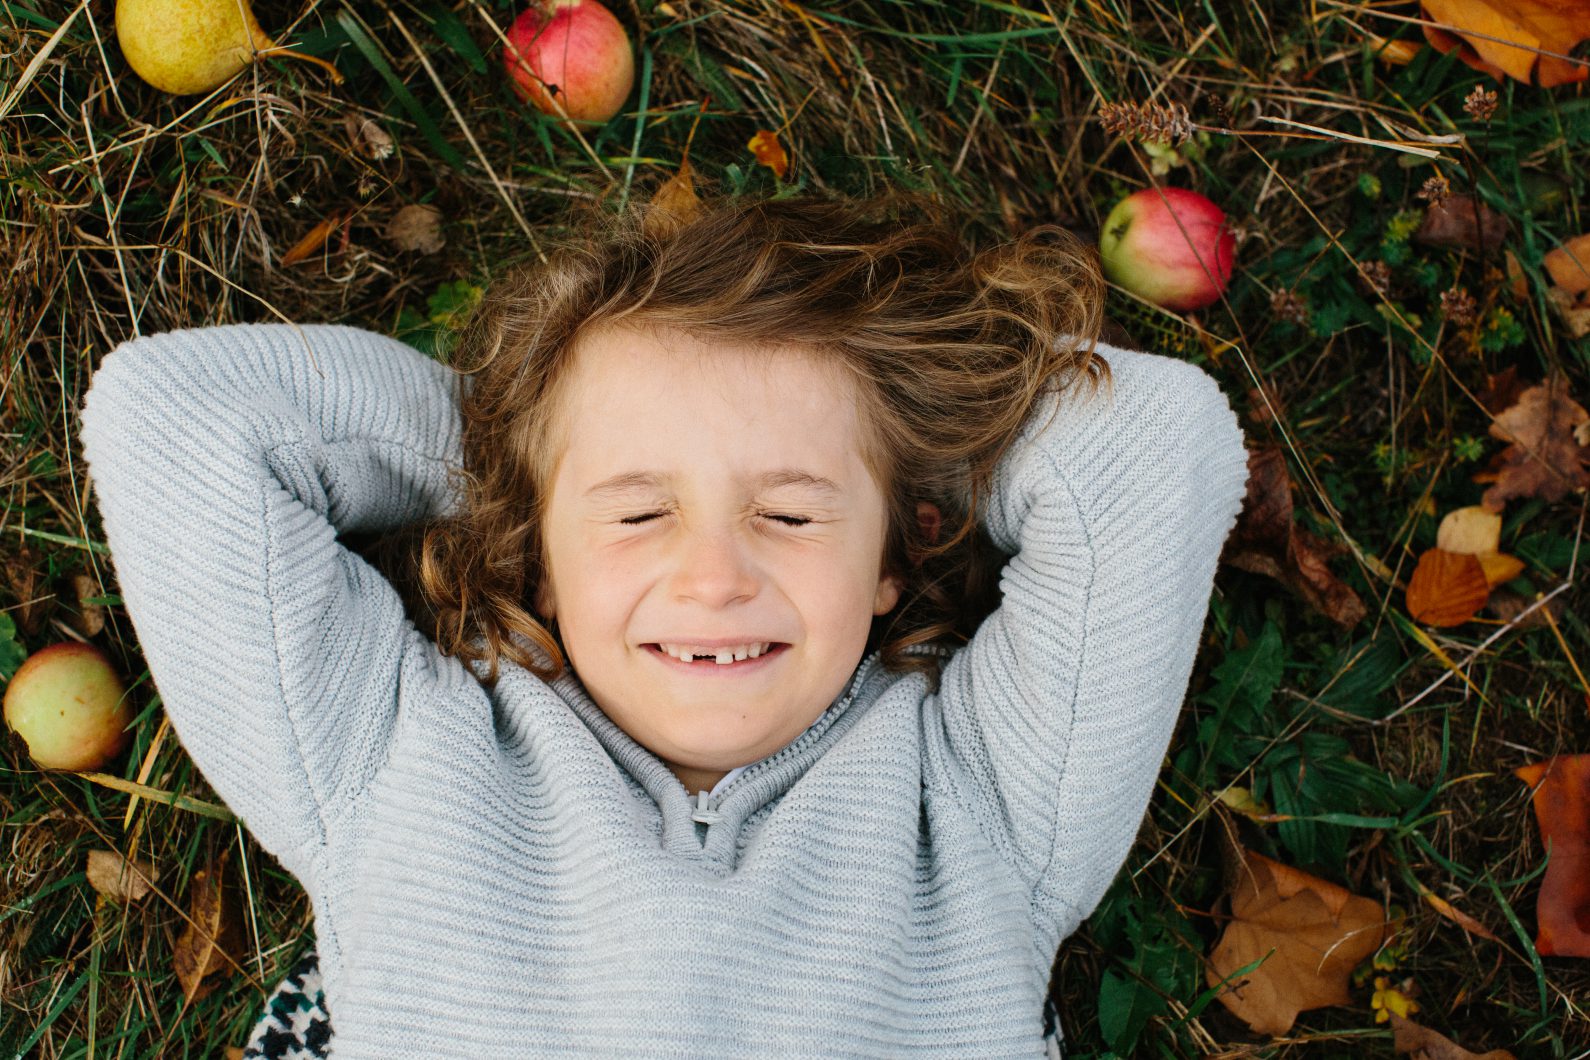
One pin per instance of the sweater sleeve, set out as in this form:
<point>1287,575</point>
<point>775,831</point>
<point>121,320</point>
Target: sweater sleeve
<point>1058,712</point>
<point>226,460</point>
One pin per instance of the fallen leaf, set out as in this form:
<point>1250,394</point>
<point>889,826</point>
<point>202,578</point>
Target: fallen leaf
<point>1242,801</point>
<point>1446,588</point>
<point>21,571</point>
<point>1474,530</point>
<point>1545,457</point>
<point>90,617</point>
<point>112,876</point>
<point>1462,222</point>
<point>1574,312</point>
<point>417,226</point>
<point>1459,917</point>
<point>1397,52</point>
<point>674,204</point>
<point>1569,265</point>
<point>1317,930</point>
<point>369,137</point>
<point>1517,282</point>
<point>313,240</point>
<point>1562,808</point>
<point>1501,391</point>
<point>213,942</point>
<point>1508,605</point>
<point>1267,541</point>
<point>1425,1044</point>
<point>1531,27</point>
<point>769,152</point>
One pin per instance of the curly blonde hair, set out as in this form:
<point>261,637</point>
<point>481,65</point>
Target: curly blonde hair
<point>949,347</point>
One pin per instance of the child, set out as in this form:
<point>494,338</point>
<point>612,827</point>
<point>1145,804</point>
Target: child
<point>864,835</point>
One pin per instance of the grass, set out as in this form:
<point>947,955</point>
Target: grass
<point>127,211</point>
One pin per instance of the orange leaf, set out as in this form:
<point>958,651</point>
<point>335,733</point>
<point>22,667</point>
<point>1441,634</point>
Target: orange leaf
<point>313,241</point>
<point>1499,567</point>
<point>769,152</point>
<point>1562,807</point>
<point>1447,588</point>
<point>1569,265</point>
<point>1459,917</point>
<point>1529,27</point>
<point>1395,52</point>
<point>1318,931</point>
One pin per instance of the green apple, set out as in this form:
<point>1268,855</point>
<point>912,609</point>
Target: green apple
<point>69,706</point>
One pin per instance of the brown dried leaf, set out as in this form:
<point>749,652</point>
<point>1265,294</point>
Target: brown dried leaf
<point>213,942</point>
<point>1507,605</point>
<point>1574,312</point>
<point>90,617</point>
<point>112,876</point>
<point>1562,808</point>
<point>417,226</point>
<point>1318,930</point>
<point>1462,222</point>
<point>1426,1044</point>
<point>674,204</point>
<point>1533,26</point>
<point>21,570</point>
<point>1501,391</point>
<point>1267,541</point>
<point>1545,458</point>
<point>372,141</point>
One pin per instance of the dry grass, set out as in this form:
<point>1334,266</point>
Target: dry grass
<point>124,211</point>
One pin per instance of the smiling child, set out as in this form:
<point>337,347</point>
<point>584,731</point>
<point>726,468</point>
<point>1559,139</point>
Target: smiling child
<point>939,559</point>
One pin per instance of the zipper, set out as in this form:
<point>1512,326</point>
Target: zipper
<point>705,811</point>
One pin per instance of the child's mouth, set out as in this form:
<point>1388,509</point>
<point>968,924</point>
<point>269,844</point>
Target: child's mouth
<point>711,667</point>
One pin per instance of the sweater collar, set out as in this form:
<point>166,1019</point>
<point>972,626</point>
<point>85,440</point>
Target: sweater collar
<point>766,779</point>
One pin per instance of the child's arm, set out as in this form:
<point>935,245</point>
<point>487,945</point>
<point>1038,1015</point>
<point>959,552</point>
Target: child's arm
<point>1058,712</point>
<point>224,467</point>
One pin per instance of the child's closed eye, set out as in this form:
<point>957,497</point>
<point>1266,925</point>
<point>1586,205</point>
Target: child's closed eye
<point>788,520</point>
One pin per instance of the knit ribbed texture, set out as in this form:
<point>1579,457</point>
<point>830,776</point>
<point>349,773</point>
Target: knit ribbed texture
<point>508,873</point>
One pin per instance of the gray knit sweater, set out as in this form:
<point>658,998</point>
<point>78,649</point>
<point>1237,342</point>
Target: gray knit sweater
<point>507,873</point>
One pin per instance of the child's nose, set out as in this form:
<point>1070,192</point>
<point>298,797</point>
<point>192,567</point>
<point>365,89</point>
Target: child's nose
<point>716,568</point>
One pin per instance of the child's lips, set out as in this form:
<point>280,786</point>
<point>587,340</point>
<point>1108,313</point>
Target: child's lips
<point>713,668</point>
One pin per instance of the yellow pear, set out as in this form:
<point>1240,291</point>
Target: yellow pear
<point>188,46</point>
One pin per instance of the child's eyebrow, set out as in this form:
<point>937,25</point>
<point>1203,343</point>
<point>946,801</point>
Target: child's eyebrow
<point>630,481</point>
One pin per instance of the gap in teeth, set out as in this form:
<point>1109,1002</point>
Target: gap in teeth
<point>724,656</point>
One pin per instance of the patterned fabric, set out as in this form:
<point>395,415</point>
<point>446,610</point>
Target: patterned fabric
<point>296,1025</point>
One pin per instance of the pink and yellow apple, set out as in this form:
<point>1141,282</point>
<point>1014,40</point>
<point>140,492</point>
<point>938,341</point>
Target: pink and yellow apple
<point>68,704</point>
<point>570,58</point>
<point>1169,246</point>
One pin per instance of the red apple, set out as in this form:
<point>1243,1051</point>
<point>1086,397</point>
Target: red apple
<point>1169,246</point>
<point>570,58</point>
<point>69,706</point>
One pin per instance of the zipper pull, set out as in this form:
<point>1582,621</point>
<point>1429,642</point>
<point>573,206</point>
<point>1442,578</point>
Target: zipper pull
<point>704,813</point>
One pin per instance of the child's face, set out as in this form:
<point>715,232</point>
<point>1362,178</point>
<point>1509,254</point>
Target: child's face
<point>710,563</point>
